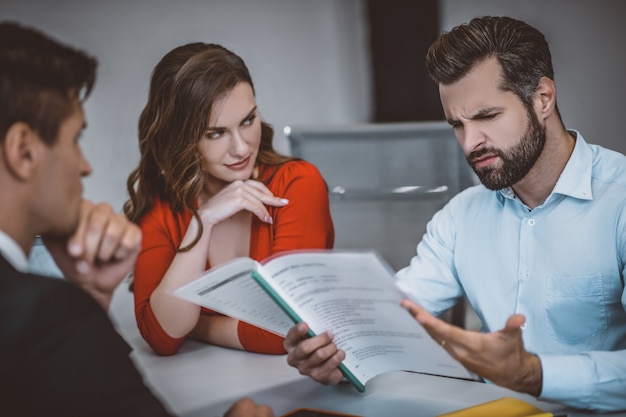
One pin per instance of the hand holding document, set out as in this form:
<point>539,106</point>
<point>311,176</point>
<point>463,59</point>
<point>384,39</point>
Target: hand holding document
<point>352,294</point>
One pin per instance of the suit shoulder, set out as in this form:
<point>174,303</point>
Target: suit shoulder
<point>30,302</point>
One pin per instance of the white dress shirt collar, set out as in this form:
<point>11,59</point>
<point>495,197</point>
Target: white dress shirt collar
<point>12,252</point>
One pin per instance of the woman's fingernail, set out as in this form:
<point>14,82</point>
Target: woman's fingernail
<point>268,219</point>
<point>284,201</point>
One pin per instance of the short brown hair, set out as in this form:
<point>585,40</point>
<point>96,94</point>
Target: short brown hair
<point>39,80</point>
<point>521,50</point>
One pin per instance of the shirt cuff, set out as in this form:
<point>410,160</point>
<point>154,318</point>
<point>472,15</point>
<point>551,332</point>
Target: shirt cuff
<point>567,379</point>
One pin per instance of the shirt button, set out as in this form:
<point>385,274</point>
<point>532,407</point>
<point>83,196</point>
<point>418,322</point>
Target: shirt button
<point>531,222</point>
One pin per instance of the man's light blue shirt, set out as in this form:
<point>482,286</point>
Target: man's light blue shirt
<point>560,264</point>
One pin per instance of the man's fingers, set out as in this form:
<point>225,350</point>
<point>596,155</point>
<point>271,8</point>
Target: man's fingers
<point>413,308</point>
<point>96,229</point>
<point>76,243</point>
<point>111,238</point>
<point>103,236</point>
<point>427,320</point>
<point>443,333</point>
<point>512,329</point>
<point>317,357</point>
<point>328,372</point>
<point>295,335</point>
<point>130,242</point>
<point>120,238</point>
<point>307,348</point>
<point>515,322</point>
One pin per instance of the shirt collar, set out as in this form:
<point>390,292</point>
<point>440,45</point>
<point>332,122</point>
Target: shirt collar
<point>575,180</point>
<point>12,252</point>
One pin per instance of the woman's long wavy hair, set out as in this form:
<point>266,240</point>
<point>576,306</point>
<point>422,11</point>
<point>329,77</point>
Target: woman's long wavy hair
<point>184,86</point>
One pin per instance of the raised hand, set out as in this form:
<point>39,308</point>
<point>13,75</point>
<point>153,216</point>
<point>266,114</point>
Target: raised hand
<point>100,253</point>
<point>498,356</point>
<point>249,195</point>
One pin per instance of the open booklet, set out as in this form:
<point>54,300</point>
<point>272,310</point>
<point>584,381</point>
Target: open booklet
<point>352,294</point>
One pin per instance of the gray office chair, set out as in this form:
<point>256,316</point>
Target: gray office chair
<point>385,182</point>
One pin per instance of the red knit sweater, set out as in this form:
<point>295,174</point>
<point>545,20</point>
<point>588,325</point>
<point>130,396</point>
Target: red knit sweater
<point>305,223</point>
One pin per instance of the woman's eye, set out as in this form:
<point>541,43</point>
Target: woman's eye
<point>214,134</point>
<point>249,120</point>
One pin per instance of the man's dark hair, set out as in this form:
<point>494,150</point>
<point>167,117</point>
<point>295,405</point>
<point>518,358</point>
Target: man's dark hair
<point>40,80</point>
<point>521,50</point>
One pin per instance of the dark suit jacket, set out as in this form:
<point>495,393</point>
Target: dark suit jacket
<point>61,356</point>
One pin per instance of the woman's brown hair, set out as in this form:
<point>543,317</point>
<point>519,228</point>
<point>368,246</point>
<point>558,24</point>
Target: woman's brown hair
<point>184,85</point>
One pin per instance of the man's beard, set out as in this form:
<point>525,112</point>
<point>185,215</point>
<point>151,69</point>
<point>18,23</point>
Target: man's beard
<point>516,161</point>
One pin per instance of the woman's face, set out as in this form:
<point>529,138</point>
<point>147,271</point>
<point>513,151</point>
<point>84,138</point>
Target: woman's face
<point>231,143</point>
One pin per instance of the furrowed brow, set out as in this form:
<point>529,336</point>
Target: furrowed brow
<point>482,113</point>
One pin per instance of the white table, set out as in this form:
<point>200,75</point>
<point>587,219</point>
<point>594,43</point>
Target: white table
<point>203,380</point>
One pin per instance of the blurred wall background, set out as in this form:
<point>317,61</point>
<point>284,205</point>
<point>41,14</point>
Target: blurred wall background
<point>308,59</point>
<point>311,60</point>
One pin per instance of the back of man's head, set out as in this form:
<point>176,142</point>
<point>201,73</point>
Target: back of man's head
<point>39,80</point>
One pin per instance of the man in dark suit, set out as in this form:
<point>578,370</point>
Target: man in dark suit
<point>59,353</point>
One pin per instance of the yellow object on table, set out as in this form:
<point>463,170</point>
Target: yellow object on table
<point>503,407</point>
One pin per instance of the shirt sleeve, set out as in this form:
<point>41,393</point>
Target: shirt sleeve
<point>590,380</point>
<point>304,223</point>
<point>254,339</point>
<point>76,363</point>
<point>160,230</point>
<point>430,278</point>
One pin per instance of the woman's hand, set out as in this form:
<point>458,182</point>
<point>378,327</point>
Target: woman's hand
<point>249,195</point>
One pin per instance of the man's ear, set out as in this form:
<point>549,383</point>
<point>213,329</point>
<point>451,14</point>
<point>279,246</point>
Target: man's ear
<point>545,98</point>
<point>20,150</point>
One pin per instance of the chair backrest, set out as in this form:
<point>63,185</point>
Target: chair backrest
<point>385,180</point>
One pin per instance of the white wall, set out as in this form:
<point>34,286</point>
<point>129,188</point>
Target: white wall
<point>586,39</point>
<point>309,61</point>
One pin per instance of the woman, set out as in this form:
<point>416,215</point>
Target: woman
<point>210,187</point>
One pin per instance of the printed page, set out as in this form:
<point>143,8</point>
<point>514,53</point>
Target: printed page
<point>353,294</point>
<point>230,290</point>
